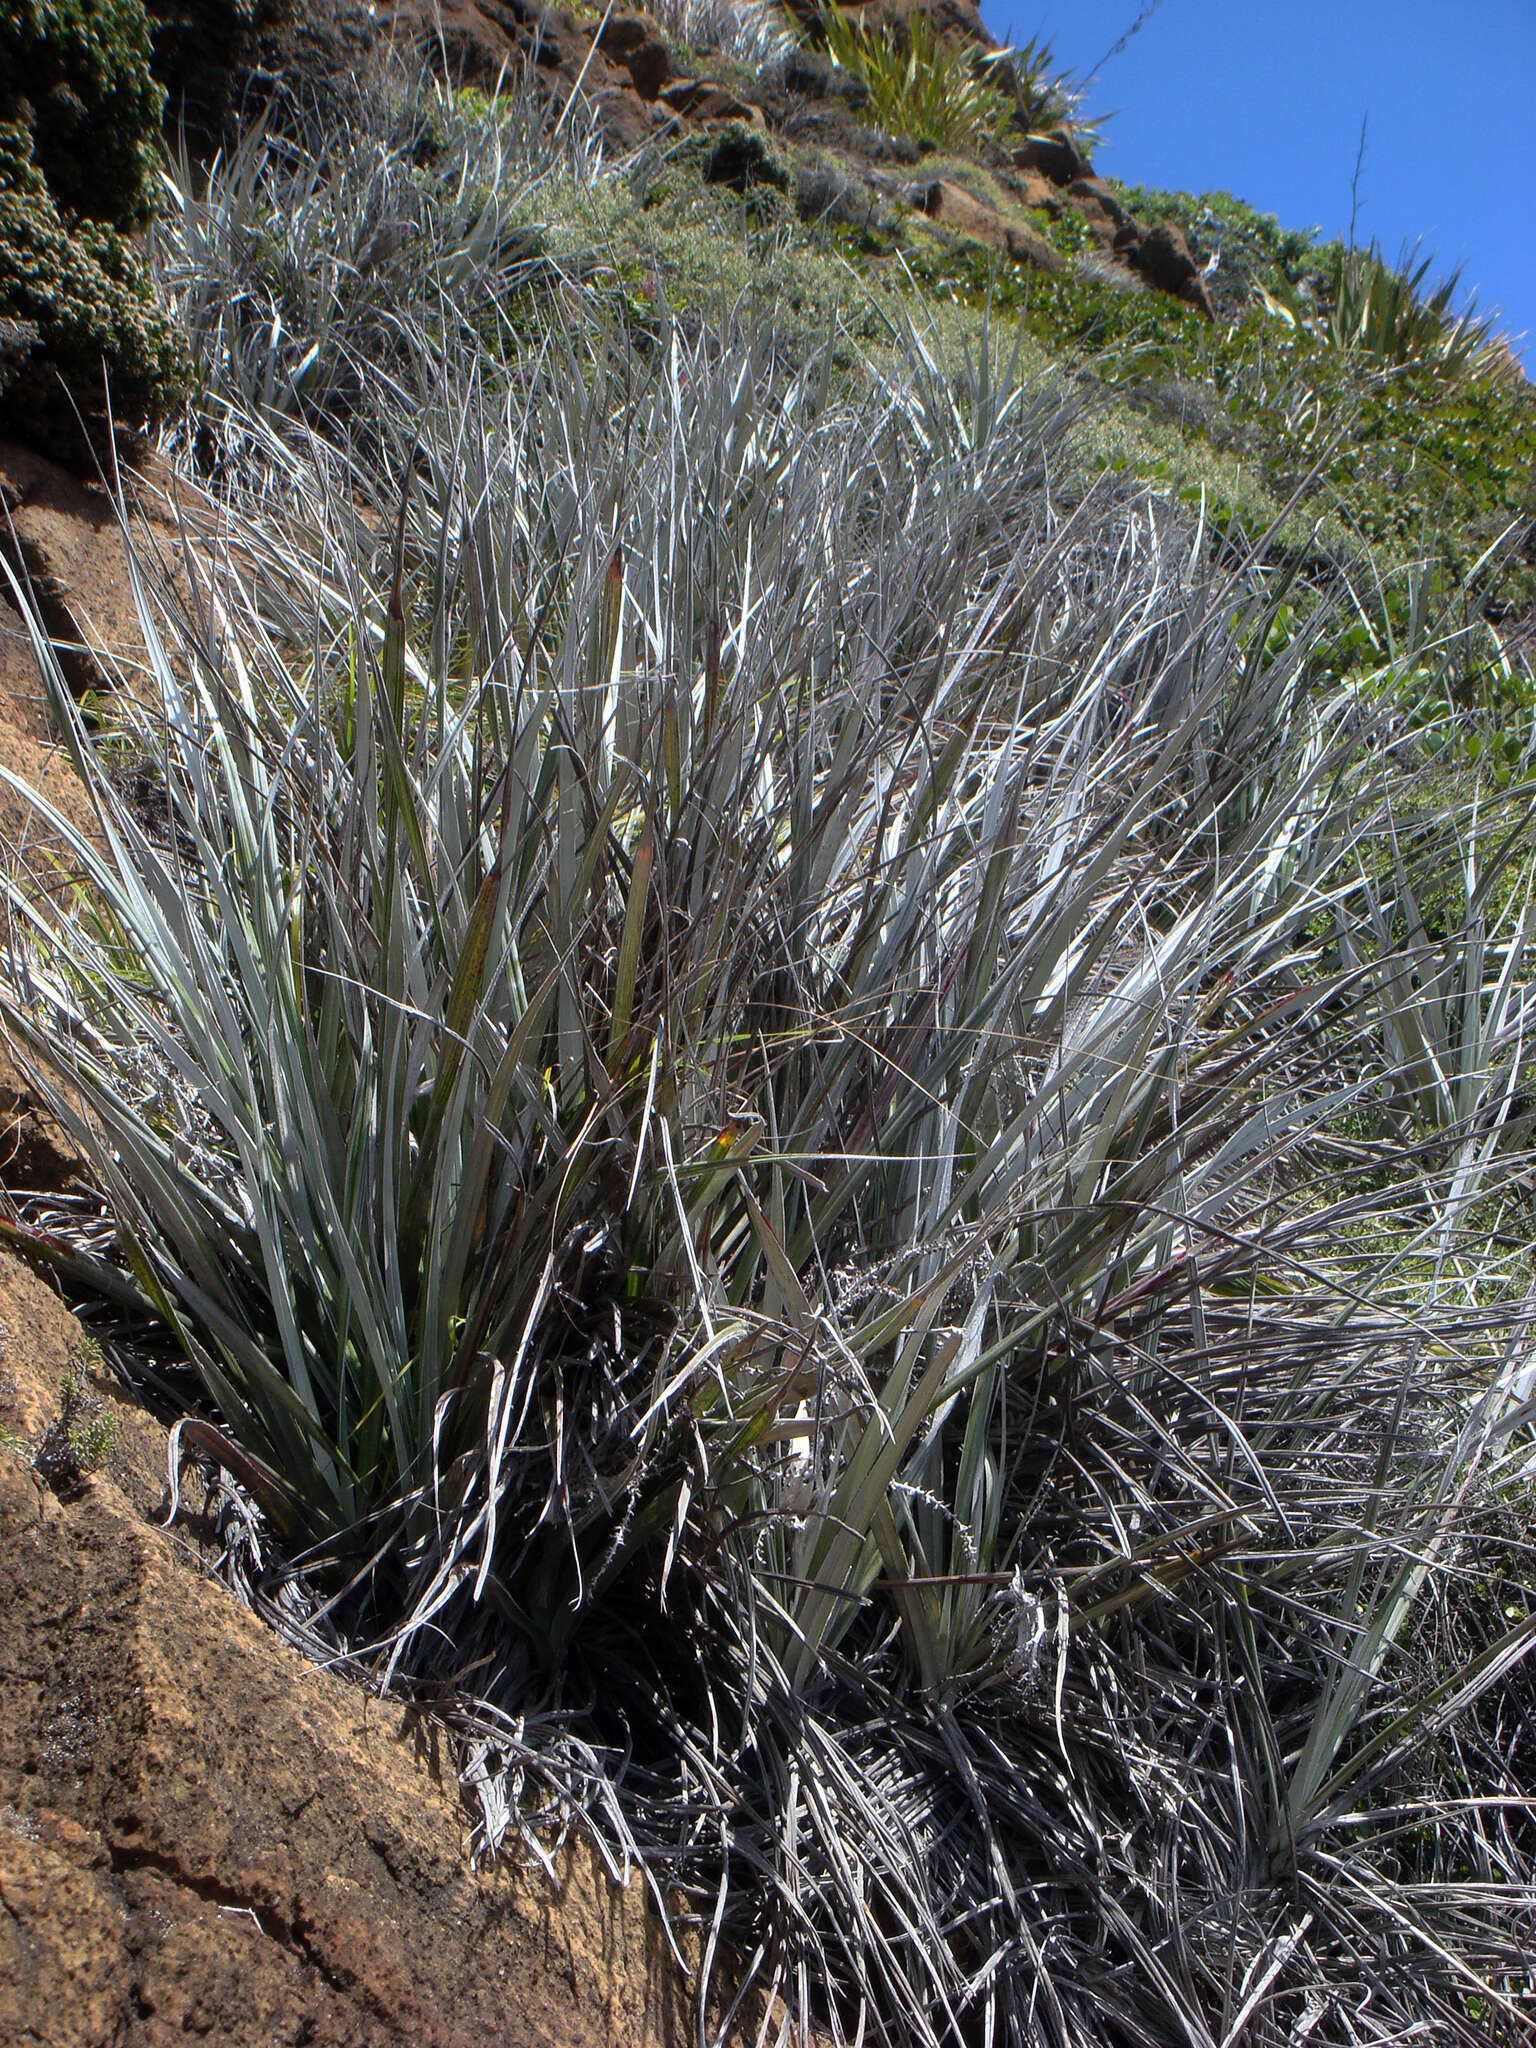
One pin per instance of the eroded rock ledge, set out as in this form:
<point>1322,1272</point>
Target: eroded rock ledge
<point>202,1835</point>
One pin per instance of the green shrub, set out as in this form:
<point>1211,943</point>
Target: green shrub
<point>77,73</point>
<point>1252,248</point>
<point>741,157</point>
<point>1392,312</point>
<point>1352,298</point>
<point>1406,461</point>
<point>1044,96</point>
<point>951,94</point>
<point>83,293</point>
<point>79,129</point>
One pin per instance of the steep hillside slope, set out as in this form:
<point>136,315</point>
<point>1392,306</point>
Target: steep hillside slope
<point>777,961</point>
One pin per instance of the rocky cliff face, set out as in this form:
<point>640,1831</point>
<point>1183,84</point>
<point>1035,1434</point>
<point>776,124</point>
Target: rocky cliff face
<point>642,90</point>
<point>201,1835</point>
<point>225,60</point>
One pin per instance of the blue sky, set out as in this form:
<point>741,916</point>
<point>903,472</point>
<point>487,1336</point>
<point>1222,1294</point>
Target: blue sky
<point>1266,101</point>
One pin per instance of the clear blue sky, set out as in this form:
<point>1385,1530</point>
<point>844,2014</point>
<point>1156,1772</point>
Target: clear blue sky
<point>1266,101</point>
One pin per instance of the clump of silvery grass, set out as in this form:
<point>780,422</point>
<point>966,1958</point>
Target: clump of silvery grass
<point>754,33</point>
<point>309,262</point>
<point>765,1155</point>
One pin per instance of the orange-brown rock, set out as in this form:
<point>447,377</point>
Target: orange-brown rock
<point>635,42</point>
<point>1056,156</point>
<point>479,42</point>
<point>701,99</point>
<point>60,537</point>
<point>1163,258</point>
<point>951,207</point>
<point>627,74</point>
<point>1102,210</point>
<point>222,66</point>
<point>1035,189</point>
<point>203,1836</point>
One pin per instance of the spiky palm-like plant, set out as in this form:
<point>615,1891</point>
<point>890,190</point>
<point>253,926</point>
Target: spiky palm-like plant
<point>919,85</point>
<point>1397,314</point>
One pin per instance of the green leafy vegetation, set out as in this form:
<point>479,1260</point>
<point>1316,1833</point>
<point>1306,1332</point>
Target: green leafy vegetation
<point>80,70</point>
<point>1401,464</point>
<point>1251,248</point>
<point>1405,463</point>
<point>1395,314</point>
<point>84,303</point>
<point>1044,96</point>
<point>81,1438</point>
<point>79,121</point>
<point>919,85</point>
